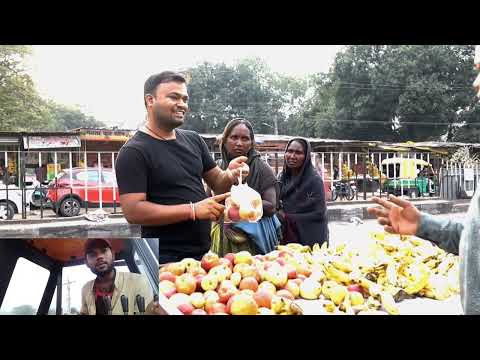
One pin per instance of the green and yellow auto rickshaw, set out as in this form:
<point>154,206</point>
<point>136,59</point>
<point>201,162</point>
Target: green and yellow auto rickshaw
<point>408,176</point>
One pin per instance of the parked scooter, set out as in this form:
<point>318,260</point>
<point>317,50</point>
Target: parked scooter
<point>344,190</point>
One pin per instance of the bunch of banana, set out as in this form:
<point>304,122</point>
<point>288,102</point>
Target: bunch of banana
<point>389,268</point>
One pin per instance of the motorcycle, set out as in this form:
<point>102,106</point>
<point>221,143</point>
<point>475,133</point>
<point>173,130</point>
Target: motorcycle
<point>39,196</point>
<point>344,190</point>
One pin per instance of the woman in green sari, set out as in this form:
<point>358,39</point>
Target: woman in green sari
<point>258,238</point>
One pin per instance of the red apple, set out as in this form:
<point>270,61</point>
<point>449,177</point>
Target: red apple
<point>197,271</point>
<point>293,287</point>
<point>167,288</point>
<point>243,257</point>
<point>248,283</point>
<point>186,284</point>
<point>291,272</point>
<point>176,268</point>
<point>209,282</point>
<point>168,294</point>
<point>179,299</point>
<point>199,312</point>
<point>263,298</point>
<point>236,278</point>
<point>355,287</point>
<point>226,263</point>
<point>209,260</point>
<point>229,304</point>
<point>198,281</point>
<point>267,286</point>
<point>277,275</point>
<point>234,213</point>
<point>230,257</point>
<point>167,275</point>
<point>243,304</point>
<point>226,290</point>
<point>216,308</point>
<point>186,309</point>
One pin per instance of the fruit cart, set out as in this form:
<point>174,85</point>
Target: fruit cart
<point>383,274</point>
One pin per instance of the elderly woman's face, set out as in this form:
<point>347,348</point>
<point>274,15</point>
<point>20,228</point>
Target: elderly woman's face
<point>239,141</point>
<point>295,155</point>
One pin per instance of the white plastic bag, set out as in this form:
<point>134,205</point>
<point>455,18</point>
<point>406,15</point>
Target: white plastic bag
<point>244,204</point>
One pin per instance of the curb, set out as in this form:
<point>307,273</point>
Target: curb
<point>440,207</point>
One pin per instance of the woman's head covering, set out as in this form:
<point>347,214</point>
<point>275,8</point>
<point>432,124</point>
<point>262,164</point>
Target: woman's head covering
<point>261,176</point>
<point>303,201</point>
<point>306,169</point>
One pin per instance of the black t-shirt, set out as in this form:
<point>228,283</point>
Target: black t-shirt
<point>170,173</point>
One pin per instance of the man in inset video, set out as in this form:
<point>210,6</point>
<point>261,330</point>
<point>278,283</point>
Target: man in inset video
<point>103,296</point>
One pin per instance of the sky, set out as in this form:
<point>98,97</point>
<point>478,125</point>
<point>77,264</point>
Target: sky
<point>107,81</point>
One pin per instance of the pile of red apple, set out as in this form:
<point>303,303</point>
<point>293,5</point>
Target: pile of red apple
<point>237,284</point>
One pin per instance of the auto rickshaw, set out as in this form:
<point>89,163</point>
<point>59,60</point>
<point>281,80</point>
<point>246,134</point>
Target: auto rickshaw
<point>55,255</point>
<point>407,176</point>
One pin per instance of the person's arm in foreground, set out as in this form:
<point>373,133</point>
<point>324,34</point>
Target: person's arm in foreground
<point>400,216</point>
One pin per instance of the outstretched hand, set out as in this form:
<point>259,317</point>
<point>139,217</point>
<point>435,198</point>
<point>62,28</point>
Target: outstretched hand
<point>397,216</point>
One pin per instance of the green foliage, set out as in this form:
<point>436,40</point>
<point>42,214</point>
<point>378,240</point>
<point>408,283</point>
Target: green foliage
<point>21,107</point>
<point>249,89</point>
<point>397,93</point>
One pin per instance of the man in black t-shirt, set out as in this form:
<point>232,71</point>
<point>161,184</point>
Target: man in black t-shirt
<point>160,171</point>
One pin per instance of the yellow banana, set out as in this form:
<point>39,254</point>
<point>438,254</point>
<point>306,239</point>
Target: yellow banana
<point>389,304</point>
<point>337,275</point>
<point>342,265</point>
<point>421,280</point>
<point>373,288</point>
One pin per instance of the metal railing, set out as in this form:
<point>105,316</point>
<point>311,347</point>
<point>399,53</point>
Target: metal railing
<point>363,170</point>
<point>33,174</point>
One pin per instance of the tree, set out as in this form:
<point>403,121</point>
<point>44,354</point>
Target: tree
<point>249,89</point>
<point>397,93</point>
<point>67,118</point>
<point>21,108</point>
<point>24,310</point>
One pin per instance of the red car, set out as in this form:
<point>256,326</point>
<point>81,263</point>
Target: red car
<point>67,199</point>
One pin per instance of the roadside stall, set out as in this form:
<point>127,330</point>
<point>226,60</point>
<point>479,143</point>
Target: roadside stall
<point>379,275</point>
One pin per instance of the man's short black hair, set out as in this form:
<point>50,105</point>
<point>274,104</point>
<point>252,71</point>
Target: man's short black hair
<point>166,76</point>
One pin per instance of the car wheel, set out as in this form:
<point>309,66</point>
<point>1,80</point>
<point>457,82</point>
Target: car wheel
<point>69,207</point>
<point>7,211</point>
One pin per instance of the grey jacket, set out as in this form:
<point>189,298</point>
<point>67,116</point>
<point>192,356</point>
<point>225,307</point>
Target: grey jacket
<point>462,239</point>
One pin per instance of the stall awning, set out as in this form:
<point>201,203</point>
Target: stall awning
<point>9,140</point>
<point>51,142</point>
